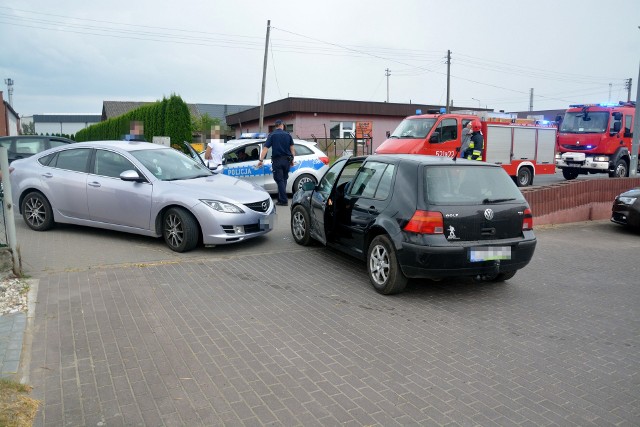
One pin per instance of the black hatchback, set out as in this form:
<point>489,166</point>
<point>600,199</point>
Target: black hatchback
<point>23,146</point>
<point>414,216</point>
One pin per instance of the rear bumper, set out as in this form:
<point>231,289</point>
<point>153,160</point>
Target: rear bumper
<point>433,262</point>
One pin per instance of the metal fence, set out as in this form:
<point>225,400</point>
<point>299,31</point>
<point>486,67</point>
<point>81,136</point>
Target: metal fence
<point>336,147</point>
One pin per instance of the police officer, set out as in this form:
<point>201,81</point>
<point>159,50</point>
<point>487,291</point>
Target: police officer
<point>476,146</point>
<point>282,153</point>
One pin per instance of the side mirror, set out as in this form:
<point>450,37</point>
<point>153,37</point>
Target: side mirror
<point>435,137</point>
<point>616,127</point>
<point>388,134</point>
<point>617,115</point>
<point>558,119</point>
<point>131,175</point>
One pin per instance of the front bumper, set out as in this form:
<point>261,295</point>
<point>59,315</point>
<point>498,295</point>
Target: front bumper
<point>582,161</point>
<point>223,228</point>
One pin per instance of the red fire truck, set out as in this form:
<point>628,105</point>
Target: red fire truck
<point>525,148</point>
<point>596,138</point>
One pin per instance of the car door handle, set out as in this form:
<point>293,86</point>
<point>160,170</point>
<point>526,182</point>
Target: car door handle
<point>93,184</point>
<point>372,210</point>
<point>47,175</point>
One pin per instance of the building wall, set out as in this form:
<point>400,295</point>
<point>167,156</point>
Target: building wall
<point>9,121</point>
<point>318,125</point>
<point>65,128</point>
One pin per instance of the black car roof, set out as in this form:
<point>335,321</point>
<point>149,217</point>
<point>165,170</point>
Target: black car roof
<point>427,160</point>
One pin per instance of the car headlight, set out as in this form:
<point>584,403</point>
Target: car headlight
<point>627,200</point>
<point>222,206</point>
<point>601,159</point>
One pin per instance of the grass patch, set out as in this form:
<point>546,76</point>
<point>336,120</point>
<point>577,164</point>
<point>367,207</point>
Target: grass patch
<point>17,409</point>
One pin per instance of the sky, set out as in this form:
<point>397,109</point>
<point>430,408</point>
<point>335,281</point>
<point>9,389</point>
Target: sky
<point>69,56</point>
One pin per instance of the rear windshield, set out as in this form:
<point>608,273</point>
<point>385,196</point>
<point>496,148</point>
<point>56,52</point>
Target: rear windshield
<point>469,185</point>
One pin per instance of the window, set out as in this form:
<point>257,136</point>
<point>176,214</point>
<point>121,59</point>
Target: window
<point>302,150</point>
<point>373,181</point>
<point>111,164</point>
<point>56,143</point>
<point>628,122</point>
<point>340,130</point>
<point>447,130</point>
<point>29,146</point>
<point>73,160</point>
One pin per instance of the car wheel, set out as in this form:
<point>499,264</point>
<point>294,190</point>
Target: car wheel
<point>300,226</point>
<point>621,170</point>
<point>569,173</point>
<point>383,267</point>
<point>525,177</point>
<point>37,212</point>
<point>301,180</point>
<point>180,230</point>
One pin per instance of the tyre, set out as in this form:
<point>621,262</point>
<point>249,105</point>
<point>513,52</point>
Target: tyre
<point>569,173</point>
<point>525,177</point>
<point>300,224</point>
<point>180,230</point>
<point>383,267</point>
<point>297,184</point>
<point>37,212</point>
<point>621,169</point>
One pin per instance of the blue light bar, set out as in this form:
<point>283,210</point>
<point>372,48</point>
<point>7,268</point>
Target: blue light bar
<point>418,112</point>
<point>253,135</point>
<point>443,110</point>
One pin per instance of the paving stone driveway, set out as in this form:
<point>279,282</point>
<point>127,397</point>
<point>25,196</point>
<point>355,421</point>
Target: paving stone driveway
<point>269,333</point>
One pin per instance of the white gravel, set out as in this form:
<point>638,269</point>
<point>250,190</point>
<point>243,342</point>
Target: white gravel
<point>13,295</point>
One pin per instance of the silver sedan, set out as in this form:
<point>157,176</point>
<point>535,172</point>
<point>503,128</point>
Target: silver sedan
<point>140,188</point>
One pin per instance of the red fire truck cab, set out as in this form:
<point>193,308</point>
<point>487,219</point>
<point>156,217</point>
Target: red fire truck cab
<point>596,138</point>
<point>523,147</point>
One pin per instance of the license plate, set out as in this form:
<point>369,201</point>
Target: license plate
<point>490,253</point>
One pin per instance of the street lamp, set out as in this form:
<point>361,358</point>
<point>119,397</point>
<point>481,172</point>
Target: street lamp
<point>478,101</point>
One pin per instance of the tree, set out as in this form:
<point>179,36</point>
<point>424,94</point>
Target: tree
<point>28,128</point>
<point>202,125</point>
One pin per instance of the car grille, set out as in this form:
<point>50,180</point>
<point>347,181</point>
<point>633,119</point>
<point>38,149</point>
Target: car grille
<point>261,206</point>
<point>576,147</point>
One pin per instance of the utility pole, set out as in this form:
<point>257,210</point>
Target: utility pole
<point>448,77</point>
<point>9,83</point>
<point>531,100</point>
<point>635,142</point>
<point>609,92</point>
<point>387,72</point>
<point>264,77</point>
<point>627,86</point>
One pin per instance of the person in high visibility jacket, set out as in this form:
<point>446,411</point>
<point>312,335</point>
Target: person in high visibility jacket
<point>476,146</point>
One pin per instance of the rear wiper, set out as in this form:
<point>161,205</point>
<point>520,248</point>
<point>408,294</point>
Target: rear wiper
<point>489,201</point>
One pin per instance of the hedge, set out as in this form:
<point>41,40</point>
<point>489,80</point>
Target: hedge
<point>169,117</point>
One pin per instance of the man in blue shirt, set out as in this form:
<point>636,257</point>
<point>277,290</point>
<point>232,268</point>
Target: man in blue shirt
<point>282,152</point>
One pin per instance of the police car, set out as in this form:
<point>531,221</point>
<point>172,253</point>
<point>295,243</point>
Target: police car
<point>241,161</point>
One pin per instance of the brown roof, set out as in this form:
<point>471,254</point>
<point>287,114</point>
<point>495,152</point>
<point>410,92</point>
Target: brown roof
<point>315,105</point>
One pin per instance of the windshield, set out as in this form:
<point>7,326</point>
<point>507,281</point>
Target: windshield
<point>585,122</point>
<point>469,185</point>
<point>413,128</point>
<point>170,165</point>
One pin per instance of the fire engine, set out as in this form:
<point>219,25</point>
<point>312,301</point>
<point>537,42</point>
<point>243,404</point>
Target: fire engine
<point>524,147</point>
<point>595,138</point>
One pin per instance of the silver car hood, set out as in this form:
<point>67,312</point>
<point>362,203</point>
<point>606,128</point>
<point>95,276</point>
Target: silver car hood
<point>219,187</point>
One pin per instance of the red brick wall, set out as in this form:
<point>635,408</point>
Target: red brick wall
<point>573,201</point>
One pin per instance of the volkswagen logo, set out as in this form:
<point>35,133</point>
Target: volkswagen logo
<point>488,213</point>
<point>265,204</point>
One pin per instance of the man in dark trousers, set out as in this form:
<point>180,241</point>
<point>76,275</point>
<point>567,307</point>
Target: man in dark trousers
<point>282,152</point>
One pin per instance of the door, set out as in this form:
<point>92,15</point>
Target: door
<point>242,162</point>
<point>114,201</point>
<point>444,139</point>
<point>321,200</point>
<point>65,183</point>
<point>365,200</point>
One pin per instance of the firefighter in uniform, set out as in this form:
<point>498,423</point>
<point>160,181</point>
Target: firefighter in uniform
<point>476,146</point>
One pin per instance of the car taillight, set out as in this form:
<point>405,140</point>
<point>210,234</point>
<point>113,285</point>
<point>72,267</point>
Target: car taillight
<point>527,221</point>
<point>425,222</point>
<point>324,160</point>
